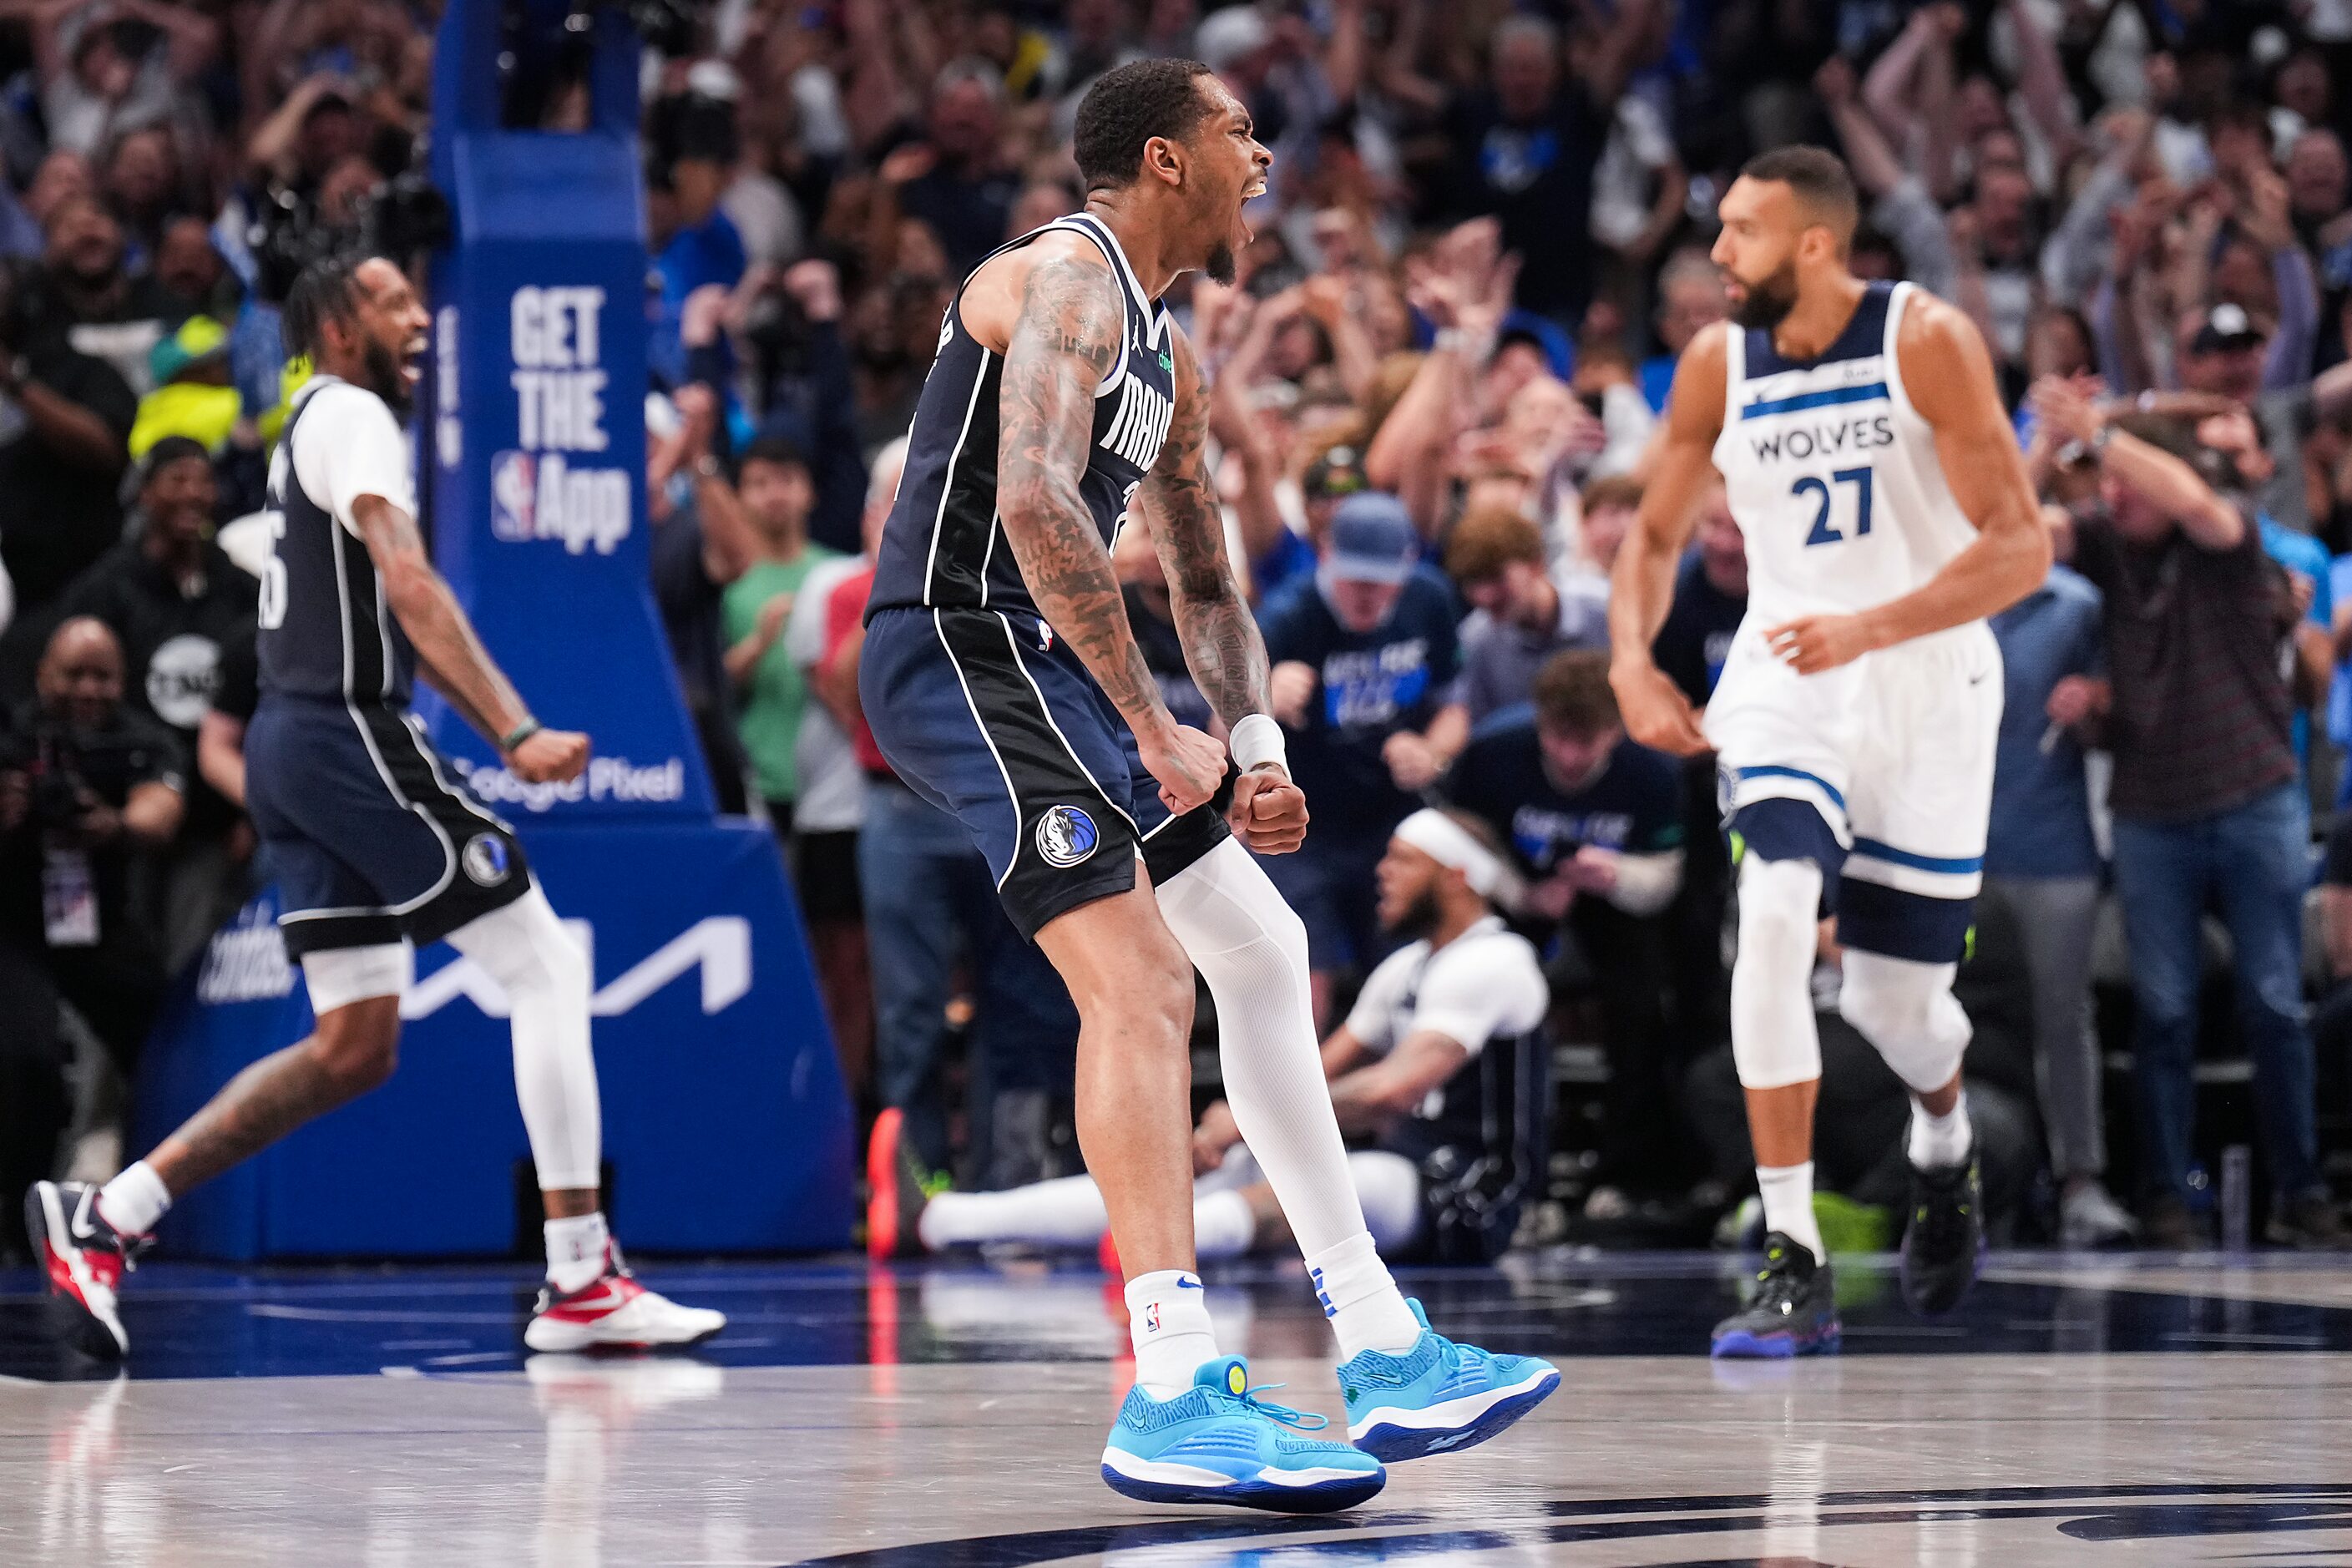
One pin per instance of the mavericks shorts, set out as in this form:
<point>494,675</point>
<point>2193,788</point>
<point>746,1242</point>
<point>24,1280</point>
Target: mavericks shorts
<point>369,840</point>
<point>1880,770</point>
<point>990,717</point>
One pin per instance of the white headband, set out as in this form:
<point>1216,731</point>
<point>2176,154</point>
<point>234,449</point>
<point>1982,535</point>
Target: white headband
<point>1448,843</point>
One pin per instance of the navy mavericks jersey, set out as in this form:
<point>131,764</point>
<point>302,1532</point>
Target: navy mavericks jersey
<point>325,630</point>
<point>944,546</point>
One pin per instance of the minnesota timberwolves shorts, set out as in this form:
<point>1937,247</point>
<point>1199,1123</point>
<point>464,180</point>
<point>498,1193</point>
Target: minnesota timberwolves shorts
<point>989,716</point>
<point>368,839</point>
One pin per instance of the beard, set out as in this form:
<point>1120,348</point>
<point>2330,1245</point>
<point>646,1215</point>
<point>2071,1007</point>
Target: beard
<point>1768,302</point>
<point>1419,919</point>
<point>1220,267</point>
<point>384,378</point>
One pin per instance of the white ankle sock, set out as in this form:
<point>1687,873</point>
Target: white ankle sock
<point>1789,1204</point>
<point>1065,1212</point>
<point>575,1251</point>
<point>1940,1141</point>
<point>1168,1318</point>
<point>134,1199</point>
<point>1223,1225</point>
<point>1366,1308</point>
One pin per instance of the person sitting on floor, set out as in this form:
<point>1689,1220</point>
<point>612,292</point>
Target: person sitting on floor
<point>1444,1042</point>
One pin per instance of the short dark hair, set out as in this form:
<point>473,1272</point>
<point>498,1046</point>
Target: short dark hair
<point>1572,693</point>
<point>781,451</point>
<point>326,290</point>
<point>168,451</point>
<point>1125,108</point>
<point>1820,180</point>
<point>1490,538</point>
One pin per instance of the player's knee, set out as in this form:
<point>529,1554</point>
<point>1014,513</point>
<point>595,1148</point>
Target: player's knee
<point>1907,1011</point>
<point>357,1046</point>
<point>1780,915</point>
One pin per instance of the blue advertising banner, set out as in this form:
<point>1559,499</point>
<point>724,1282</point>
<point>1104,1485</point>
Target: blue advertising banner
<point>726,1126</point>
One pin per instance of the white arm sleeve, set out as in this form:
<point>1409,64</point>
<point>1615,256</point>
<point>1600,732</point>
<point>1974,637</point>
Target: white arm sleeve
<point>347,444</point>
<point>1647,883</point>
<point>1479,987</point>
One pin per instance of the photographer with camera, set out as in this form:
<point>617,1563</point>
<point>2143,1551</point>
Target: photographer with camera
<point>87,786</point>
<point>64,429</point>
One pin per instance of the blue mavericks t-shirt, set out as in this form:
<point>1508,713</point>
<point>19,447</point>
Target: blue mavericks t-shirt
<point>1634,805</point>
<point>2041,824</point>
<point>1369,686</point>
<point>1696,637</point>
<point>2300,552</point>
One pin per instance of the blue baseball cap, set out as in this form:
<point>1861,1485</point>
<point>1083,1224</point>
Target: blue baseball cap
<point>1373,539</point>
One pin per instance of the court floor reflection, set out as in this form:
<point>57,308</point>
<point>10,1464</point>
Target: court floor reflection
<point>2160,1413</point>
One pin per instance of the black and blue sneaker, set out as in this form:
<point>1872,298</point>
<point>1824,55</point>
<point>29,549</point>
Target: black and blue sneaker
<point>1793,1311</point>
<point>1944,1244</point>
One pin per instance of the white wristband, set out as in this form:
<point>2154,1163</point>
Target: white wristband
<point>1257,739</point>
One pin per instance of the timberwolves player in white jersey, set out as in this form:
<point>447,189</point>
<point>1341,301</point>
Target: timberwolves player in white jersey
<point>1005,685</point>
<point>1886,512</point>
<point>374,852</point>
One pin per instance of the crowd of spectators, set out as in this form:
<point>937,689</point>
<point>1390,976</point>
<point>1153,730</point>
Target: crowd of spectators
<point>1433,385</point>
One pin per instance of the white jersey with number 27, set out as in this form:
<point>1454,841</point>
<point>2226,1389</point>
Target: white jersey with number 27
<point>1831,472</point>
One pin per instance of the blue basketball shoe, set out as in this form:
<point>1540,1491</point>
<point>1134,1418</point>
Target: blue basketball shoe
<point>1217,1442</point>
<point>1438,1396</point>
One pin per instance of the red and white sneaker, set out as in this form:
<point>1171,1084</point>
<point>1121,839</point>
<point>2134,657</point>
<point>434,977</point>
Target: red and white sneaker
<point>614,1310</point>
<point>85,1259</point>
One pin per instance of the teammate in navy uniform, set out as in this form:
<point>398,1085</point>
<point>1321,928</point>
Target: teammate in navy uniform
<point>1004,682</point>
<point>374,851</point>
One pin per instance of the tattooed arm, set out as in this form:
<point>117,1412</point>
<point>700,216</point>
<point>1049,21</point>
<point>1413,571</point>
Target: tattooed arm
<point>448,649</point>
<point>1178,502</point>
<point>1064,341</point>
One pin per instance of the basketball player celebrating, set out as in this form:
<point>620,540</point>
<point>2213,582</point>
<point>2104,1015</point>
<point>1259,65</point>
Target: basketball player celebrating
<point>1886,512</point>
<point>1004,684</point>
<point>374,852</point>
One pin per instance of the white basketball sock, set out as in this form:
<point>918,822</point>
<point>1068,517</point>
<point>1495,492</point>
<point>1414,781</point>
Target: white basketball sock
<point>1250,948</point>
<point>1223,1225</point>
<point>1788,1192</point>
<point>1938,1143</point>
<point>1168,1318</point>
<point>575,1251</point>
<point>135,1200</point>
<point>545,975</point>
<point>1366,1308</point>
<point>1065,1212</point>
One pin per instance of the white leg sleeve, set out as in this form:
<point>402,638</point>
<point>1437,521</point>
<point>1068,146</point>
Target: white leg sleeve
<point>1906,1009</point>
<point>527,951</point>
<point>1065,1212</point>
<point>1390,1189</point>
<point>1251,947</point>
<point>1774,1039</point>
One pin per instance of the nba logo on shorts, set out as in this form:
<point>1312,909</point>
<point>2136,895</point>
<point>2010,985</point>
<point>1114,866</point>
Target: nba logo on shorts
<point>1066,836</point>
<point>514,490</point>
<point>485,859</point>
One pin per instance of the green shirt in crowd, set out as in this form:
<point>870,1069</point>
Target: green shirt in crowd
<point>770,710</point>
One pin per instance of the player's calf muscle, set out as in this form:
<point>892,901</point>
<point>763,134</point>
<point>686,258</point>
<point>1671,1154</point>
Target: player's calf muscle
<point>346,1059</point>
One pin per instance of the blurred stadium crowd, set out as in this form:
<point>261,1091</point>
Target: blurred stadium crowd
<point>1434,383</point>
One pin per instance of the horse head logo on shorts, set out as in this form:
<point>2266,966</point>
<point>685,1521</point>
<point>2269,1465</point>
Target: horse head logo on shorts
<point>1066,836</point>
<point>486,860</point>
